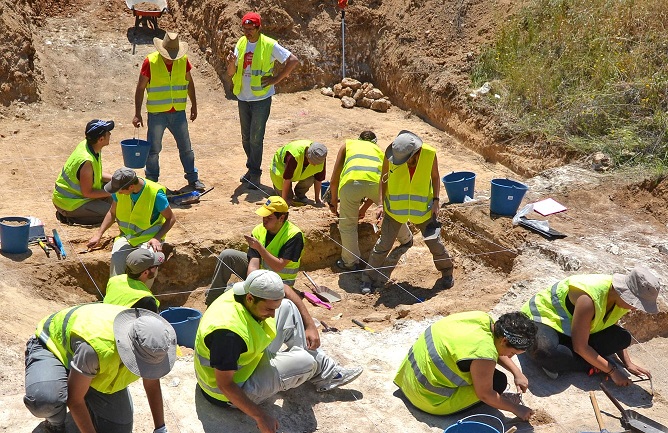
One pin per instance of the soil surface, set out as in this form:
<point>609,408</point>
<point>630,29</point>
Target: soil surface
<point>89,66</point>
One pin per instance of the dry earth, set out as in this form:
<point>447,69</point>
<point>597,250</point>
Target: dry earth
<point>87,68</point>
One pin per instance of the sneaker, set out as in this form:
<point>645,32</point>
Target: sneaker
<point>554,375</point>
<point>198,185</point>
<point>367,288</point>
<point>52,428</point>
<point>341,377</point>
<point>170,192</point>
<point>356,267</point>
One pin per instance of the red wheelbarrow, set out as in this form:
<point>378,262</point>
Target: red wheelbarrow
<point>632,420</point>
<point>146,13</point>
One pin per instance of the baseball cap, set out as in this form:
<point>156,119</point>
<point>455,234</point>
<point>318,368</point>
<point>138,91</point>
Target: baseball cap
<point>639,288</point>
<point>403,147</point>
<point>96,128</point>
<point>316,153</point>
<point>146,342</point>
<point>252,18</point>
<point>261,283</point>
<point>142,258</point>
<point>273,204</point>
<point>121,178</point>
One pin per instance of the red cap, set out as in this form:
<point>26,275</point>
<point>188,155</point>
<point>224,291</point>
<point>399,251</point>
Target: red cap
<point>252,18</point>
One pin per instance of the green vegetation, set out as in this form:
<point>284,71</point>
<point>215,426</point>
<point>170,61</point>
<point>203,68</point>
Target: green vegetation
<point>588,74</point>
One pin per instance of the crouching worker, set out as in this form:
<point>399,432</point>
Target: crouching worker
<point>303,162</point>
<point>130,289</point>
<point>452,366</point>
<point>238,359</point>
<point>84,358</point>
<point>577,322</point>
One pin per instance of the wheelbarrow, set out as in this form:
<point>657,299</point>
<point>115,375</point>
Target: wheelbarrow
<point>146,13</point>
<point>632,420</point>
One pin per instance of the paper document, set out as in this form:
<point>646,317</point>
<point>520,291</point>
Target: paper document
<point>548,207</point>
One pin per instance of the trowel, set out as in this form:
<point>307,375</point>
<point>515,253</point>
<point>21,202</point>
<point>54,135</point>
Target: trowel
<point>323,292</point>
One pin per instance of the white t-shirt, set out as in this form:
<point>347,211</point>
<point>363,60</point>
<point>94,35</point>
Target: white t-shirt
<point>279,54</point>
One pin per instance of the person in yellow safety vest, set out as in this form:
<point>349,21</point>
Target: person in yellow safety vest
<point>409,191</point>
<point>452,365</point>
<point>301,161</point>
<point>78,194</point>
<point>277,245</point>
<point>165,76</point>
<point>143,214</point>
<point>84,358</point>
<point>239,358</point>
<point>577,323</point>
<point>130,289</point>
<point>251,67</point>
<point>356,179</point>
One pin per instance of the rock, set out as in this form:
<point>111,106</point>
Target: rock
<point>347,91</point>
<point>358,94</point>
<point>601,162</point>
<point>663,248</point>
<point>381,105</point>
<point>376,317</point>
<point>347,102</point>
<point>364,102</point>
<point>374,94</point>
<point>367,86</point>
<point>337,90</point>
<point>402,311</point>
<point>327,91</point>
<point>351,82</point>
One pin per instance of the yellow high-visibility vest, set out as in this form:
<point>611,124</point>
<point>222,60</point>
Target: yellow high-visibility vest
<point>135,221</point>
<point>166,90</point>
<point>67,191</point>
<point>125,291</point>
<point>297,149</point>
<point>364,161</point>
<point>287,232</point>
<point>261,65</point>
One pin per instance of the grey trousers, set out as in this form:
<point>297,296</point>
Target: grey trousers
<point>91,213</point>
<point>46,394</point>
<point>282,370</point>
<point>230,262</point>
<point>389,230</point>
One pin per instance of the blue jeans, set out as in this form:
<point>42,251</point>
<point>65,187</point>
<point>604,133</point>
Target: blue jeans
<point>177,124</point>
<point>253,116</point>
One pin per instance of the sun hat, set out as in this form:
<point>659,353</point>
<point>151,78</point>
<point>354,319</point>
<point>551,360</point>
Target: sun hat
<point>146,342</point>
<point>96,128</point>
<point>121,178</point>
<point>142,258</point>
<point>403,147</point>
<point>273,204</point>
<point>316,153</point>
<point>252,18</point>
<point>170,47</point>
<point>261,283</point>
<point>639,288</point>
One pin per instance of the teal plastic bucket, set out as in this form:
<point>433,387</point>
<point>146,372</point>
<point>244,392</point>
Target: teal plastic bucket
<point>135,152</point>
<point>506,196</point>
<point>458,185</point>
<point>14,234</point>
<point>465,426</point>
<point>185,322</point>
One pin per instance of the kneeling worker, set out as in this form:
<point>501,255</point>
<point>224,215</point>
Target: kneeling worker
<point>301,161</point>
<point>130,289</point>
<point>238,349</point>
<point>452,365</point>
<point>84,358</point>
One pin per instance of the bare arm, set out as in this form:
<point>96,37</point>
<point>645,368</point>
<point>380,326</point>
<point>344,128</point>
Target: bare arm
<point>225,381</point>
<point>290,64</point>
<point>109,219</point>
<point>521,381</point>
<point>155,402</point>
<point>436,185</point>
<point>382,189</point>
<point>170,218</point>
<point>192,96</point>
<point>482,372</point>
<point>275,263</point>
<point>77,387</point>
<point>86,182</point>
<point>285,191</point>
<point>336,178</point>
<point>137,121</point>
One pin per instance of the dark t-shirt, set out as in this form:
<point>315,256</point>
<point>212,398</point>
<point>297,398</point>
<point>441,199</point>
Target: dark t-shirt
<point>147,303</point>
<point>291,165</point>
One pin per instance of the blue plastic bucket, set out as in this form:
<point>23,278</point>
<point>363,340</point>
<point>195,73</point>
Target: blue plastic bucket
<point>458,185</point>
<point>185,322</point>
<point>14,233</point>
<point>506,196</point>
<point>464,426</point>
<point>135,152</point>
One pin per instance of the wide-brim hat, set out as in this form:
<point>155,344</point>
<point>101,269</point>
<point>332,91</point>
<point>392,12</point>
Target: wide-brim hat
<point>145,342</point>
<point>640,289</point>
<point>403,147</point>
<point>170,47</point>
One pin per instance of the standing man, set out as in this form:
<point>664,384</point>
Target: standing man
<point>165,75</point>
<point>85,357</point>
<point>301,161</point>
<point>239,359</point>
<point>78,195</point>
<point>131,288</point>
<point>356,179</point>
<point>251,67</point>
<point>141,208</point>
<point>409,191</point>
<point>276,245</point>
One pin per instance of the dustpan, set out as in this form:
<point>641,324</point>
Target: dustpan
<point>323,292</point>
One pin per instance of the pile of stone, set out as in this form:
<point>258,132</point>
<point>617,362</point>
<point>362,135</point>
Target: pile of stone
<point>355,93</point>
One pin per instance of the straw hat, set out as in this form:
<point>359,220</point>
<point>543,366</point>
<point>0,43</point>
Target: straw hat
<point>170,47</point>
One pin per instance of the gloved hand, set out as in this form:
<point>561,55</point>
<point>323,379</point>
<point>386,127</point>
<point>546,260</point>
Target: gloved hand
<point>162,429</point>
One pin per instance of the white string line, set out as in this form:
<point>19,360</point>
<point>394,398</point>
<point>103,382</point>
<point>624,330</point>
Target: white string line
<point>34,182</point>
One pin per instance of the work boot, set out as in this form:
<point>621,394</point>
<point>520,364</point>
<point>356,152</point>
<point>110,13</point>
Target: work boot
<point>62,218</point>
<point>445,282</point>
<point>341,377</point>
<point>198,185</point>
<point>245,177</point>
<point>253,181</point>
<point>406,245</point>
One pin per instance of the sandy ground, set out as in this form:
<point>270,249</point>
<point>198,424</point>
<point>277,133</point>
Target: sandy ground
<point>91,72</point>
